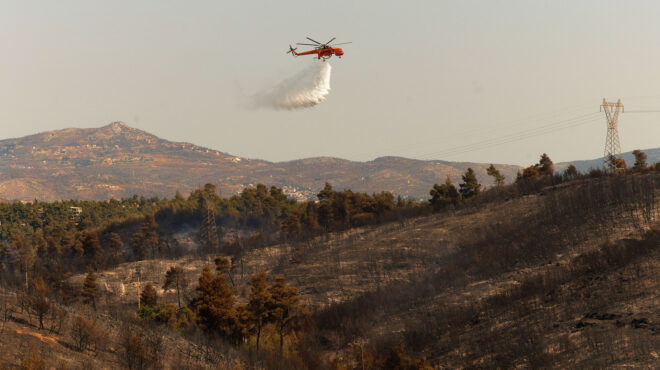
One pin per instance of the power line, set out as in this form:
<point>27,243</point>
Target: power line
<point>514,139</point>
<point>496,127</point>
<point>525,134</point>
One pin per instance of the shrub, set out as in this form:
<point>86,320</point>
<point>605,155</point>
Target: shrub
<point>88,334</point>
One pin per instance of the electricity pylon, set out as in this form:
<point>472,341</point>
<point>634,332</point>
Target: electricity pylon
<point>612,158</point>
<point>209,231</point>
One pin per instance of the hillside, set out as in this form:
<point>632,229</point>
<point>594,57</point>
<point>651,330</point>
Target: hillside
<point>116,161</point>
<point>561,279</point>
<point>653,156</point>
<point>562,276</point>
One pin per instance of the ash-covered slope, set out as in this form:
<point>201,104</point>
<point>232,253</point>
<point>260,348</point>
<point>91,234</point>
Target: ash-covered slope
<point>117,161</point>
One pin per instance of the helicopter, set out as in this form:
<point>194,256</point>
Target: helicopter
<point>321,50</point>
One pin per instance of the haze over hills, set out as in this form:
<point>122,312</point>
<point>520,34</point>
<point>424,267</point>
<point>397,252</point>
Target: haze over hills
<point>653,156</point>
<point>116,161</point>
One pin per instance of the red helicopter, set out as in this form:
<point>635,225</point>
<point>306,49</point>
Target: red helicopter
<point>323,51</point>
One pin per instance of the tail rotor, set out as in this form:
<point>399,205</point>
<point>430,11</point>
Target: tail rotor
<point>292,50</point>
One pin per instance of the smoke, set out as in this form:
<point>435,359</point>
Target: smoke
<point>305,89</point>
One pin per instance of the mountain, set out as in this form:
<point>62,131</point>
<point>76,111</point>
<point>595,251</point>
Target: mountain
<point>653,156</point>
<point>116,161</point>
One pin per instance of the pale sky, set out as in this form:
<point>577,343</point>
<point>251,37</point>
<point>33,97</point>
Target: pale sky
<point>422,79</point>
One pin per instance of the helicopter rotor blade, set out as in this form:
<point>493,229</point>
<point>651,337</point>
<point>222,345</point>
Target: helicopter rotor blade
<point>332,39</point>
<point>298,43</point>
<point>313,40</point>
<point>343,43</point>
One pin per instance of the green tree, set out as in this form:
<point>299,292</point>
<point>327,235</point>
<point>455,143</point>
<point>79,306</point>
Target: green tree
<point>137,244</point>
<point>326,215</point>
<point>640,160</point>
<point>259,304</point>
<point>149,296</point>
<point>115,247</point>
<point>470,186</point>
<point>383,202</point>
<point>90,289</point>
<point>495,173</point>
<point>91,245</point>
<point>287,311</point>
<point>174,278</point>
<point>290,228</point>
<point>312,221</point>
<point>67,241</point>
<point>150,239</point>
<point>443,195</point>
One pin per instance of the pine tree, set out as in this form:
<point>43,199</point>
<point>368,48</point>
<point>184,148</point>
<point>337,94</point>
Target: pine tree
<point>223,267</point>
<point>286,309</point>
<point>616,163</point>
<point>174,278</point>
<point>243,326</point>
<point>443,195</point>
<point>260,303</point>
<point>215,303</point>
<point>640,160</point>
<point>519,176</point>
<point>77,249</point>
<point>38,300</point>
<point>326,211</point>
<point>90,290</point>
<point>26,257</point>
<point>150,239</point>
<point>531,172</point>
<point>495,173</point>
<point>66,242</point>
<point>291,227</point>
<point>545,166</point>
<point>91,245</point>
<point>312,221</point>
<point>571,172</point>
<point>470,186</point>
<point>115,246</point>
<point>137,244</point>
<point>149,296</point>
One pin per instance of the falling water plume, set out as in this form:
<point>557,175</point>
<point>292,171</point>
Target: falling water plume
<point>307,88</point>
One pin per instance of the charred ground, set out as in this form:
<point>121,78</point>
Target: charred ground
<point>539,274</point>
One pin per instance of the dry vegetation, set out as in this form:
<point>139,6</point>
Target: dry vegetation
<point>563,277</point>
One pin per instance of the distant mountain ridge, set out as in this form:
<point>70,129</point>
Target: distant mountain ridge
<point>116,161</point>
<point>653,156</point>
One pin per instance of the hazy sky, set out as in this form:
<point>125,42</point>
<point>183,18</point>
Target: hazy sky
<point>422,79</point>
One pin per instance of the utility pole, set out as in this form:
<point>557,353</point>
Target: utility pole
<point>612,159</point>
